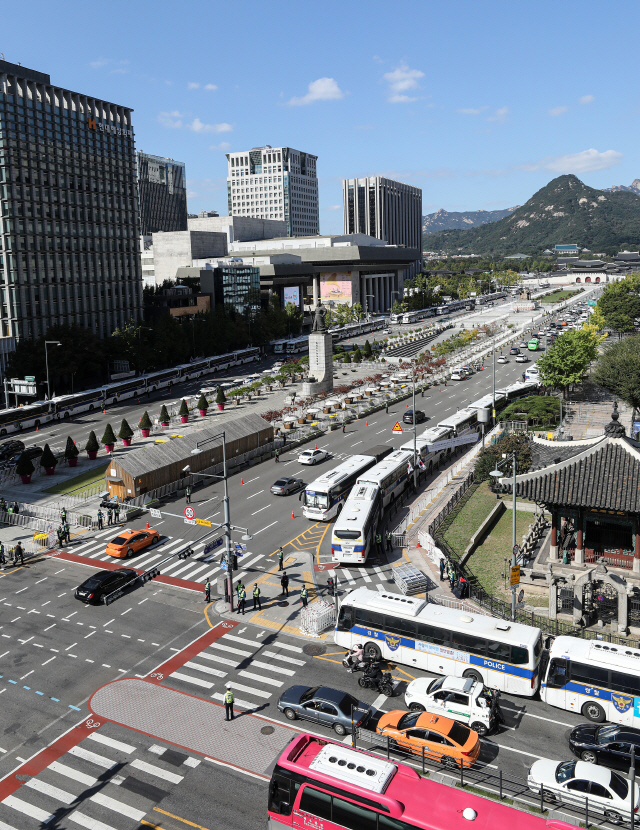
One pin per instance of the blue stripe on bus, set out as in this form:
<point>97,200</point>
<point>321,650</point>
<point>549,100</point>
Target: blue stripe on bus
<point>356,548</point>
<point>588,691</point>
<point>474,659</point>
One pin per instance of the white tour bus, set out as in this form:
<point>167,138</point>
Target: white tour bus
<point>355,527</point>
<point>464,421</point>
<point>325,497</point>
<point>300,344</point>
<point>390,476</point>
<point>501,654</point>
<point>598,680</point>
<point>429,457</point>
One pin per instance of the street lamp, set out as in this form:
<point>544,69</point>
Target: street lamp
<point>46,358</point>
<point>498,474</point>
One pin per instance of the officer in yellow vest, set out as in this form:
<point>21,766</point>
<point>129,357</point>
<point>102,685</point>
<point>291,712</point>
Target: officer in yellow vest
<point>304,596</point>
<point>228,703</point>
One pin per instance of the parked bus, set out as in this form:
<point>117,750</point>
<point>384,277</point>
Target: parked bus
<point>483,299</point>
<point>414,316</point>
<point>533,344</point>
<point>456,305</point>
<point>325,497</point>
<point>355,527</point>
<point>320,784</point>
<point>298,345</point>
<point>426,453</point>
<point>595,679</point>
<point>501,654</point>
<point>390,476</point>
<point>464,421</point>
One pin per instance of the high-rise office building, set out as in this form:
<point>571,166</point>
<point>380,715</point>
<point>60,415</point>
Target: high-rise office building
<point>385,209</point>
<point>275,183</point>
<point>68,202</point>
<point>162,191</point>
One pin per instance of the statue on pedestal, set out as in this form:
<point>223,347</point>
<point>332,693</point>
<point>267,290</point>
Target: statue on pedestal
<point>319,318</point>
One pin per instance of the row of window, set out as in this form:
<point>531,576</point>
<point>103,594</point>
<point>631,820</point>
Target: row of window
<point>589,675</point>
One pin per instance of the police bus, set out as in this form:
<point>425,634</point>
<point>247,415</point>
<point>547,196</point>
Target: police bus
<point>324,498</point>
<point>355,527</point>
<point>501,654</point>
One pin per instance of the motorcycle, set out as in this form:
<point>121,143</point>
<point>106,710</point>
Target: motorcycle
<point>350,664</point>
<point>381,681</point>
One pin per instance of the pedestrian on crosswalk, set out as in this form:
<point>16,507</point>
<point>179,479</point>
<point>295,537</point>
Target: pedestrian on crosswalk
<point>284,581</point>
<point>280,558</point>
<point>256,597</point>
<point>242,596</point>
<point>304,595</point>
<point>207,590</point>
<point>187,493</point>
<point>100,519</point>
<point>228,703</point>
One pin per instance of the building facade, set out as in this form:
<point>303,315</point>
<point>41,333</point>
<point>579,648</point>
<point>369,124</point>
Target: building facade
<point>233,286</point>
<point>69,209</point>
<point>162,193</point>
<point>386,209</point>
<point>275,183</point>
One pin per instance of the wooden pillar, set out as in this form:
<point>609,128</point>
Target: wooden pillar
<point>553,551</point>
<point>579,557</point>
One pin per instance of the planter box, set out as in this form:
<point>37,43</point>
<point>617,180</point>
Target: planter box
<point>145,432</point>
<point>348,400</point>
<point>202,412</point>
<point>184,419</point>
<point>49,470</point>
<point>220,406</point>
<point>126,442</point>
<point>92,455</point>
<point>26,479</point>
<point>109,447</point>
<point>288,425</point>
<point>73,462</point>
<point>301,420</point>
<point>164,425</point>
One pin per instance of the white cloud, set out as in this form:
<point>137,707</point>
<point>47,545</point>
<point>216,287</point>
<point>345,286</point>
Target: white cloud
<point>500,115</point>
<point>324,89</point>
<point>223,146</point>
<point>198,127</point>
<point>558,111</point>
<point>587,99</point>
<point>171,119</point>
<point>400,81</point>
<point>193,85</point>
<point>587,161</point>
<point>99,63</point>
<point>210,87</point>
<point>472,111</point>
<point>119,65</point>
<point>334,207</point>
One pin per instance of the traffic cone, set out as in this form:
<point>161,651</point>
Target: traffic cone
<point>37,429</point>
<point>316,447</point>
<point>241,481</point>
<point>292,515</point>
<point>439,390</point>
<point>407,406</point>
<point>147,527</point>
<point>366,423</point>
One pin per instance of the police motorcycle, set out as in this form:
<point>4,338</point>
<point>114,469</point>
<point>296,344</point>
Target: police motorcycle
<point>375,678</point>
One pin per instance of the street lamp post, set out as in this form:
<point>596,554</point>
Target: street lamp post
<point>366,304</point>
<point>497,474</point>
<point>46,358</point>
<point>415,452</point>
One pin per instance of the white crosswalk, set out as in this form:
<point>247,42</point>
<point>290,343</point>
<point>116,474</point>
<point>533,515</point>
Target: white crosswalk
<point>66,790</point>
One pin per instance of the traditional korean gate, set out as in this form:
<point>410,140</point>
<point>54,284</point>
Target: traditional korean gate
<point>564,600</point>
<point>601,599</point>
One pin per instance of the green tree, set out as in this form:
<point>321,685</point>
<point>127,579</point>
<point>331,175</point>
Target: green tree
<point>125,430</point>
<point>221,398</point>
<point>366,351</point>
<point>357,355</point>
<point>24,467</point>
<point>356,312</point>
<point>203,403</point>
<point>347,357</point>
<point>489,457</point>
<point>183,412</point>
<point>48,459</point>
<point>164,415</point>
<point>108,437</point>
<point>145,421</point>
<point>92,443</point>
<point>567,361</point>
<point>70,450</point>
<point>294,319</point>
<point>618,371</point>
<point>620,304</point>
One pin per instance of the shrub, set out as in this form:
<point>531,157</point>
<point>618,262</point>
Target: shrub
<point>48,459</point>
<point>71,451</point>
<point>220,396</point>
<point>203,403</point>
<point>357,355</point>
<point>491,455</point>
<point>164,415</point>
<point>92,442</point>
<point>347,358</point>
<point>109,435</point>
<point>145,421</point>
<point>24,467</point>
<point>184,409</point>
<point>367,349</point>
<point>125,430</point>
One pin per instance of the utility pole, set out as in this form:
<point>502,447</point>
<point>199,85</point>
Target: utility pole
<point>415,455</point>
<point>513,534</point>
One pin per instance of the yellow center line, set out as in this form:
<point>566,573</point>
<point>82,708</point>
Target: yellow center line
<point>177,818</point>
<point>318,657</point>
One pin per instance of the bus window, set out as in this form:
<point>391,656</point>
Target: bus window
<point>627,683</point>
<point>470,643</point>
<point>498,651</point>
<point>346,618</point>
<point>350,815</point>
<point>519,655</point>
<point>316,803</point>
<point>280,800</point>
<point>589,675</point>
<point>558,675</point>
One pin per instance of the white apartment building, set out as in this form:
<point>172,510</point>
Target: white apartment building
<point>275,183</point>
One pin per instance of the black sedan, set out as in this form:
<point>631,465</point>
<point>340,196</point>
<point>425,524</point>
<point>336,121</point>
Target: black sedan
<point>284,486</point>
<point>102,583</point>
<point>609,745</point>
<point>9,449</point>
<point>322,705</point>
<point>31,453</point>
<point>408,416</point>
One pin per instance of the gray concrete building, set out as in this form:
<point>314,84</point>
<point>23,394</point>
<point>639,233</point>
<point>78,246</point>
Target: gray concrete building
<point>174,250</point>
<point>386,209</point>
<point>162,194</point>
<point>68,200</point>
<point>240,228</point>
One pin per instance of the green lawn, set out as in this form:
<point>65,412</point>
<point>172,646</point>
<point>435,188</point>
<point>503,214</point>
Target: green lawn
<point>558,296</point>
<point>469,519</point>
<point>84,480</point>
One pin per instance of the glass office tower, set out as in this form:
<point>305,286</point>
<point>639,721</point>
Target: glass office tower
<point>162,191</point>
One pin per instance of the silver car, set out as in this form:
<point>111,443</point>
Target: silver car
<point>285,485</point>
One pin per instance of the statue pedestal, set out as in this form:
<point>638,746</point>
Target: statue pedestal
<point>320,363</point>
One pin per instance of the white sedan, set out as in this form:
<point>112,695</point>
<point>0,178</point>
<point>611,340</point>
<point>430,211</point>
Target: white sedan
<point>572,782</point>
<point>522,358</point>
<point>312,456</point>
<point>502,359</point>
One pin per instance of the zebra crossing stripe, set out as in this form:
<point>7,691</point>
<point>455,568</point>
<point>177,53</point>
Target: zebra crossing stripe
<point>206,669</point>
<point>347,574</point>
<point>269,667</point>
<point>118,806</point>
<point>62,769</point>
<point>231,649</point>
<point>261,678</point>
<point>250,690</point>
<point>194,680</point>
<point>27,809</point>
<point>50,790</point>
<point>86,821</point>
<point>284,657</point>
<point>223,660</point>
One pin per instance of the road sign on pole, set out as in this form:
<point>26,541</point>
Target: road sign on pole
<point>515,575</point>
<point>396,427</point>
<point>516,550</point>
<point>189,512</point>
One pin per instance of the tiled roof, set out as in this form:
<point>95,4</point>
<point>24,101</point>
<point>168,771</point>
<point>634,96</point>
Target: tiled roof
<point>604,475</point>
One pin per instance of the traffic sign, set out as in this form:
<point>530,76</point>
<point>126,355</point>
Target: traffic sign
<point>521,595</point>
<point>203,522</point>
<point>189,512</point>
<point>30,378</point>
<point>189,521</point>
<point>515,575</point>
<point>516,550</point>
<point>156,514</point>
<point>396,427</point>
<point>211,546</point>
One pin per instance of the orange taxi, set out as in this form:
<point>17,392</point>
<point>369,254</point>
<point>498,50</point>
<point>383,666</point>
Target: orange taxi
<point>129,542</point>
<point>451,743</point>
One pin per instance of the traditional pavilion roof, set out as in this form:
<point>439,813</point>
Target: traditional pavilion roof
<point>604,475</point>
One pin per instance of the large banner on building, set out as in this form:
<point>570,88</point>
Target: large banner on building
<point>336,286</point>
<point>291,294</point>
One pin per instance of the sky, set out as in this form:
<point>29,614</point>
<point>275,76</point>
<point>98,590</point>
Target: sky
<point>478,103</point>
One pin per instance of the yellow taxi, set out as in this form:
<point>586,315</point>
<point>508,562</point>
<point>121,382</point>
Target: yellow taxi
<point>129,542</point>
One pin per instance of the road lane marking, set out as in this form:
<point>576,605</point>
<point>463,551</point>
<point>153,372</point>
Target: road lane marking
<point>261,679</point>
<point>92,757</point>
<point>143,766</point>
<point>257,692</point>
<point>263,528</point>
<point>255,494</point>
<point>261,509</point>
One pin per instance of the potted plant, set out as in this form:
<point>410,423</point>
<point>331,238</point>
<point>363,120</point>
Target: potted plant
<point>25,468</point>
<point>203,405</point>
<point>183,412</point>
<point>221,398</point>
<point>126,433</point>
<point>108,439</point>
<point>48,460</point>
<point>92,446</point>
<point>145,424</point>
<point>71,452</point>
<point>164,416</point>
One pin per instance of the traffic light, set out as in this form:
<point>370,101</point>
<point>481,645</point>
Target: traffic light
<point>185,554</point>
<point>234,562</point>
<point>151,574</point>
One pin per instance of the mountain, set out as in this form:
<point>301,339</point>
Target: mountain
<point>634,187</point>
<point>564,211</point>
<point>444,220</point>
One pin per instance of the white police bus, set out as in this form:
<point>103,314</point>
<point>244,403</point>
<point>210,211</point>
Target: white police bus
<point>324,498</point>
<point>501,654</point>
<point>598,680</point>
<point>390,476</point>
<point>355,527</point>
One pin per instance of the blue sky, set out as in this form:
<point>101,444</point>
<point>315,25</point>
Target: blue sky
<point>478,103</point>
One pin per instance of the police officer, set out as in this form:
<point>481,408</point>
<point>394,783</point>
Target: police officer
<point>207,590</point>
<point>304,595</point>
<point>277,456</point>
<point>242,596</point>
<point>60,535</point>
<point>386,407</point>
<point>100,519</point>
<point>284,581</point>
<point>3,504</point>
<point>116,510</point>
<point>18,553</point>
<point>187,493</point>
<point>378,542</point>
<point>280,558</point>
<point>228,703</point>
<point>3,560</point>
<point>256,597</point>
<point>109,516</point>
<point>389,545</point>
<point>239,586</point>
<point>63,515</point>
<point>67,532</point>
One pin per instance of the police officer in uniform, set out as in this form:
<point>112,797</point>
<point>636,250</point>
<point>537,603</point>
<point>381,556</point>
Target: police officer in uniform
<point>100,519</point>
<point>280,558</point>
<point>60,535</point>
<point>284,581</point>
<point>242,595</point>
<point>3,504</point>
<point>109,516</point>
<point>228,703</point>
<point>256,597</point>
<point>67,533</point>
<point>18,553</point>
<point>304,595</point>
<point>3,560</point>
<point>378,542</point>
<point>389,545</point>
<point>63,515</point>
<point>187,493</point>
<point>207,590</point>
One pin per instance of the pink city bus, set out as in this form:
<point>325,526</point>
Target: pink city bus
<point>328,786</point>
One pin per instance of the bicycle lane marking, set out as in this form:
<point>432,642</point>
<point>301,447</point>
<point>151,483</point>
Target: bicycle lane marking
<point>191,650</point>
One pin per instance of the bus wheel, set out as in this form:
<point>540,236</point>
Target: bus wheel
<point>66,416</point>
<point>372,652</point>
<point>3,431</point>
<point>474,674</point>
<point>593,711</point>
<point>90,407</point>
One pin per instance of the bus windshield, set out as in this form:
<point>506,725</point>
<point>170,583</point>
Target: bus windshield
<point>314,499</point>
<point>348,534</point>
